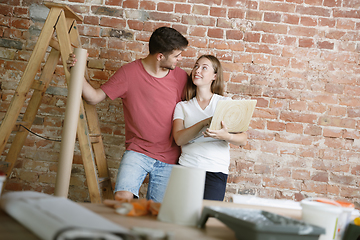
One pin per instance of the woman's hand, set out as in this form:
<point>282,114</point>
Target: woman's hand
<point>239,139</point>
<point>221,134</point>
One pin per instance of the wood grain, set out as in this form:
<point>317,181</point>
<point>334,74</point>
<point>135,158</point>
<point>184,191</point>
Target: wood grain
<point>235,113</point>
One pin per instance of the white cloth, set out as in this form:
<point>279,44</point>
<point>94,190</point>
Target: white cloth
<point>206,153</point>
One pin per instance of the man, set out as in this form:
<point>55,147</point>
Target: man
<point>149,88</point>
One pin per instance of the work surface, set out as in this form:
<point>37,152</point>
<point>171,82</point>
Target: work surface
<point>10,229</point>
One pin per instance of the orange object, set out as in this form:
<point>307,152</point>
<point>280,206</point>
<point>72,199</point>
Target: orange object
<point>341,203</point>
<point>134,207</point>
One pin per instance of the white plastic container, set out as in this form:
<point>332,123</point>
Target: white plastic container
<point>334,216</point>
<point>2,180</point>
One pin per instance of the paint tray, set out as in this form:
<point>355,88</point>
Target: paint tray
<point>254,224</point>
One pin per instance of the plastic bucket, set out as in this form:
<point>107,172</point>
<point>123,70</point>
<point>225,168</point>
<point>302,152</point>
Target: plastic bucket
<point>334,216</point>
<point>2,180</point>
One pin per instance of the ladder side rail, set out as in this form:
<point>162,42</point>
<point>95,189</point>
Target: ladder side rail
<point>29,74</point>
<point>32,109</point>
<point>93,126</point>
<point>82,129</point>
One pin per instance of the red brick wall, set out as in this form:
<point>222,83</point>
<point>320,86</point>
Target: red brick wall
<point>298,58</point>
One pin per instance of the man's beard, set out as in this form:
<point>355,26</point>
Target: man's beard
<point>167,66</point>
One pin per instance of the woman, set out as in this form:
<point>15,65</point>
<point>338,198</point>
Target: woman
<point>201,147</point>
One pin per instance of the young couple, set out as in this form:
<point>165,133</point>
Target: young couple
<point>150,88</point>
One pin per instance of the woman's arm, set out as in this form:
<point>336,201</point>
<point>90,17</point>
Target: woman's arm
<point>239,139</point>
<point>183,135</point>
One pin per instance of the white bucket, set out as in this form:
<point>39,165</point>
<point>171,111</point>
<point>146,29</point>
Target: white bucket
<point>2,180</point>
<point>327,214</point>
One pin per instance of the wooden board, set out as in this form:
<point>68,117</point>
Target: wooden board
<point>235,113</point>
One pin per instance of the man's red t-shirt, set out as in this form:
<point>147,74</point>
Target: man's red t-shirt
<point>148,104</point>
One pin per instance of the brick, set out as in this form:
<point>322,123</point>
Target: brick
<point>353,112</point>
<point>89,30</point>
<point>8,43</point>
<point>291,19</point>
<point>207,2</point>
<point>325,45</point>
<point>108,11</point>
<point>317,11</point>
<point>96,63</point>
<point>92,20</point>
<point>130,4</point>
<point>197,42</point>
<point>182,8</point>
<point>270,28</point>
<point>215,33</point>
<point>337,111</point>
<point>262,169</point>
<point>302,31</point>
<point>167,17</point>
<point>200,10</point>
<point>308,21</point>
<point>301,174</point>
<point>337,122</point>
<point>234,34</point>
<point>237,13</point>
<point>194,20</point>
<point>298,117</point>
<point>254,15</point>
<point>352,90</point>
<point>223,55</point>
<point>165,7</point>
<point>294,128</point>
<point>269,38</point>
<point>287,41</point>
<point>315,187</point>
<point>272,17</point>
<point>345,24</point>
<point>252,37</point>
<point>275,126</point>
<point>342,179</point>
<point>7,10</point>
<point>333,132</point>
<point>218,44</point>
<point>112,22</point>
<point>326,22</point>
<point>281,183</point>
<point>217,12</point>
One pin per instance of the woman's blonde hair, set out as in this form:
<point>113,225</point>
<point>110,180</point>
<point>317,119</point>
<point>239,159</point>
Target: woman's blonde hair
<point>217,86</point>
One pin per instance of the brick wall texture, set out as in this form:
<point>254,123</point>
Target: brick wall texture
<point>298,58</point>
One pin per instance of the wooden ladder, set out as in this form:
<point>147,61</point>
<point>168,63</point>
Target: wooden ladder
<point>62,20</point>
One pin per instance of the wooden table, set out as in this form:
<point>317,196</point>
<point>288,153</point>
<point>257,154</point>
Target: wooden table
<point>10,229</point>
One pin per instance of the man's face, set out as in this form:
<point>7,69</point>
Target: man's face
<point>170,61</point>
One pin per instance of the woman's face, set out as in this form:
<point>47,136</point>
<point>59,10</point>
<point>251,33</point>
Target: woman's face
<point>203,73</point>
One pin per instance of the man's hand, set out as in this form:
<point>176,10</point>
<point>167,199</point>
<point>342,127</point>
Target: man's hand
<point>71,61</point>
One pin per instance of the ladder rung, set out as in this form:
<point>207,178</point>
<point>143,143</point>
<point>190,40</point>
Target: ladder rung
<point>104,182</point>
<point>94,138</point>
<point>18,128</point>
<point>38,85</point>
<point>4,166</point>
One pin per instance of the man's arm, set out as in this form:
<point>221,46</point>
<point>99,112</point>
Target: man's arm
<point>92,95</point>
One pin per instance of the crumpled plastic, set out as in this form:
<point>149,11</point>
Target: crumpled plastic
<point>134,207</point>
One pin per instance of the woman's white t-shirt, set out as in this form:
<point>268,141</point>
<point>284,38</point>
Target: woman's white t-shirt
<point>206,153</point>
